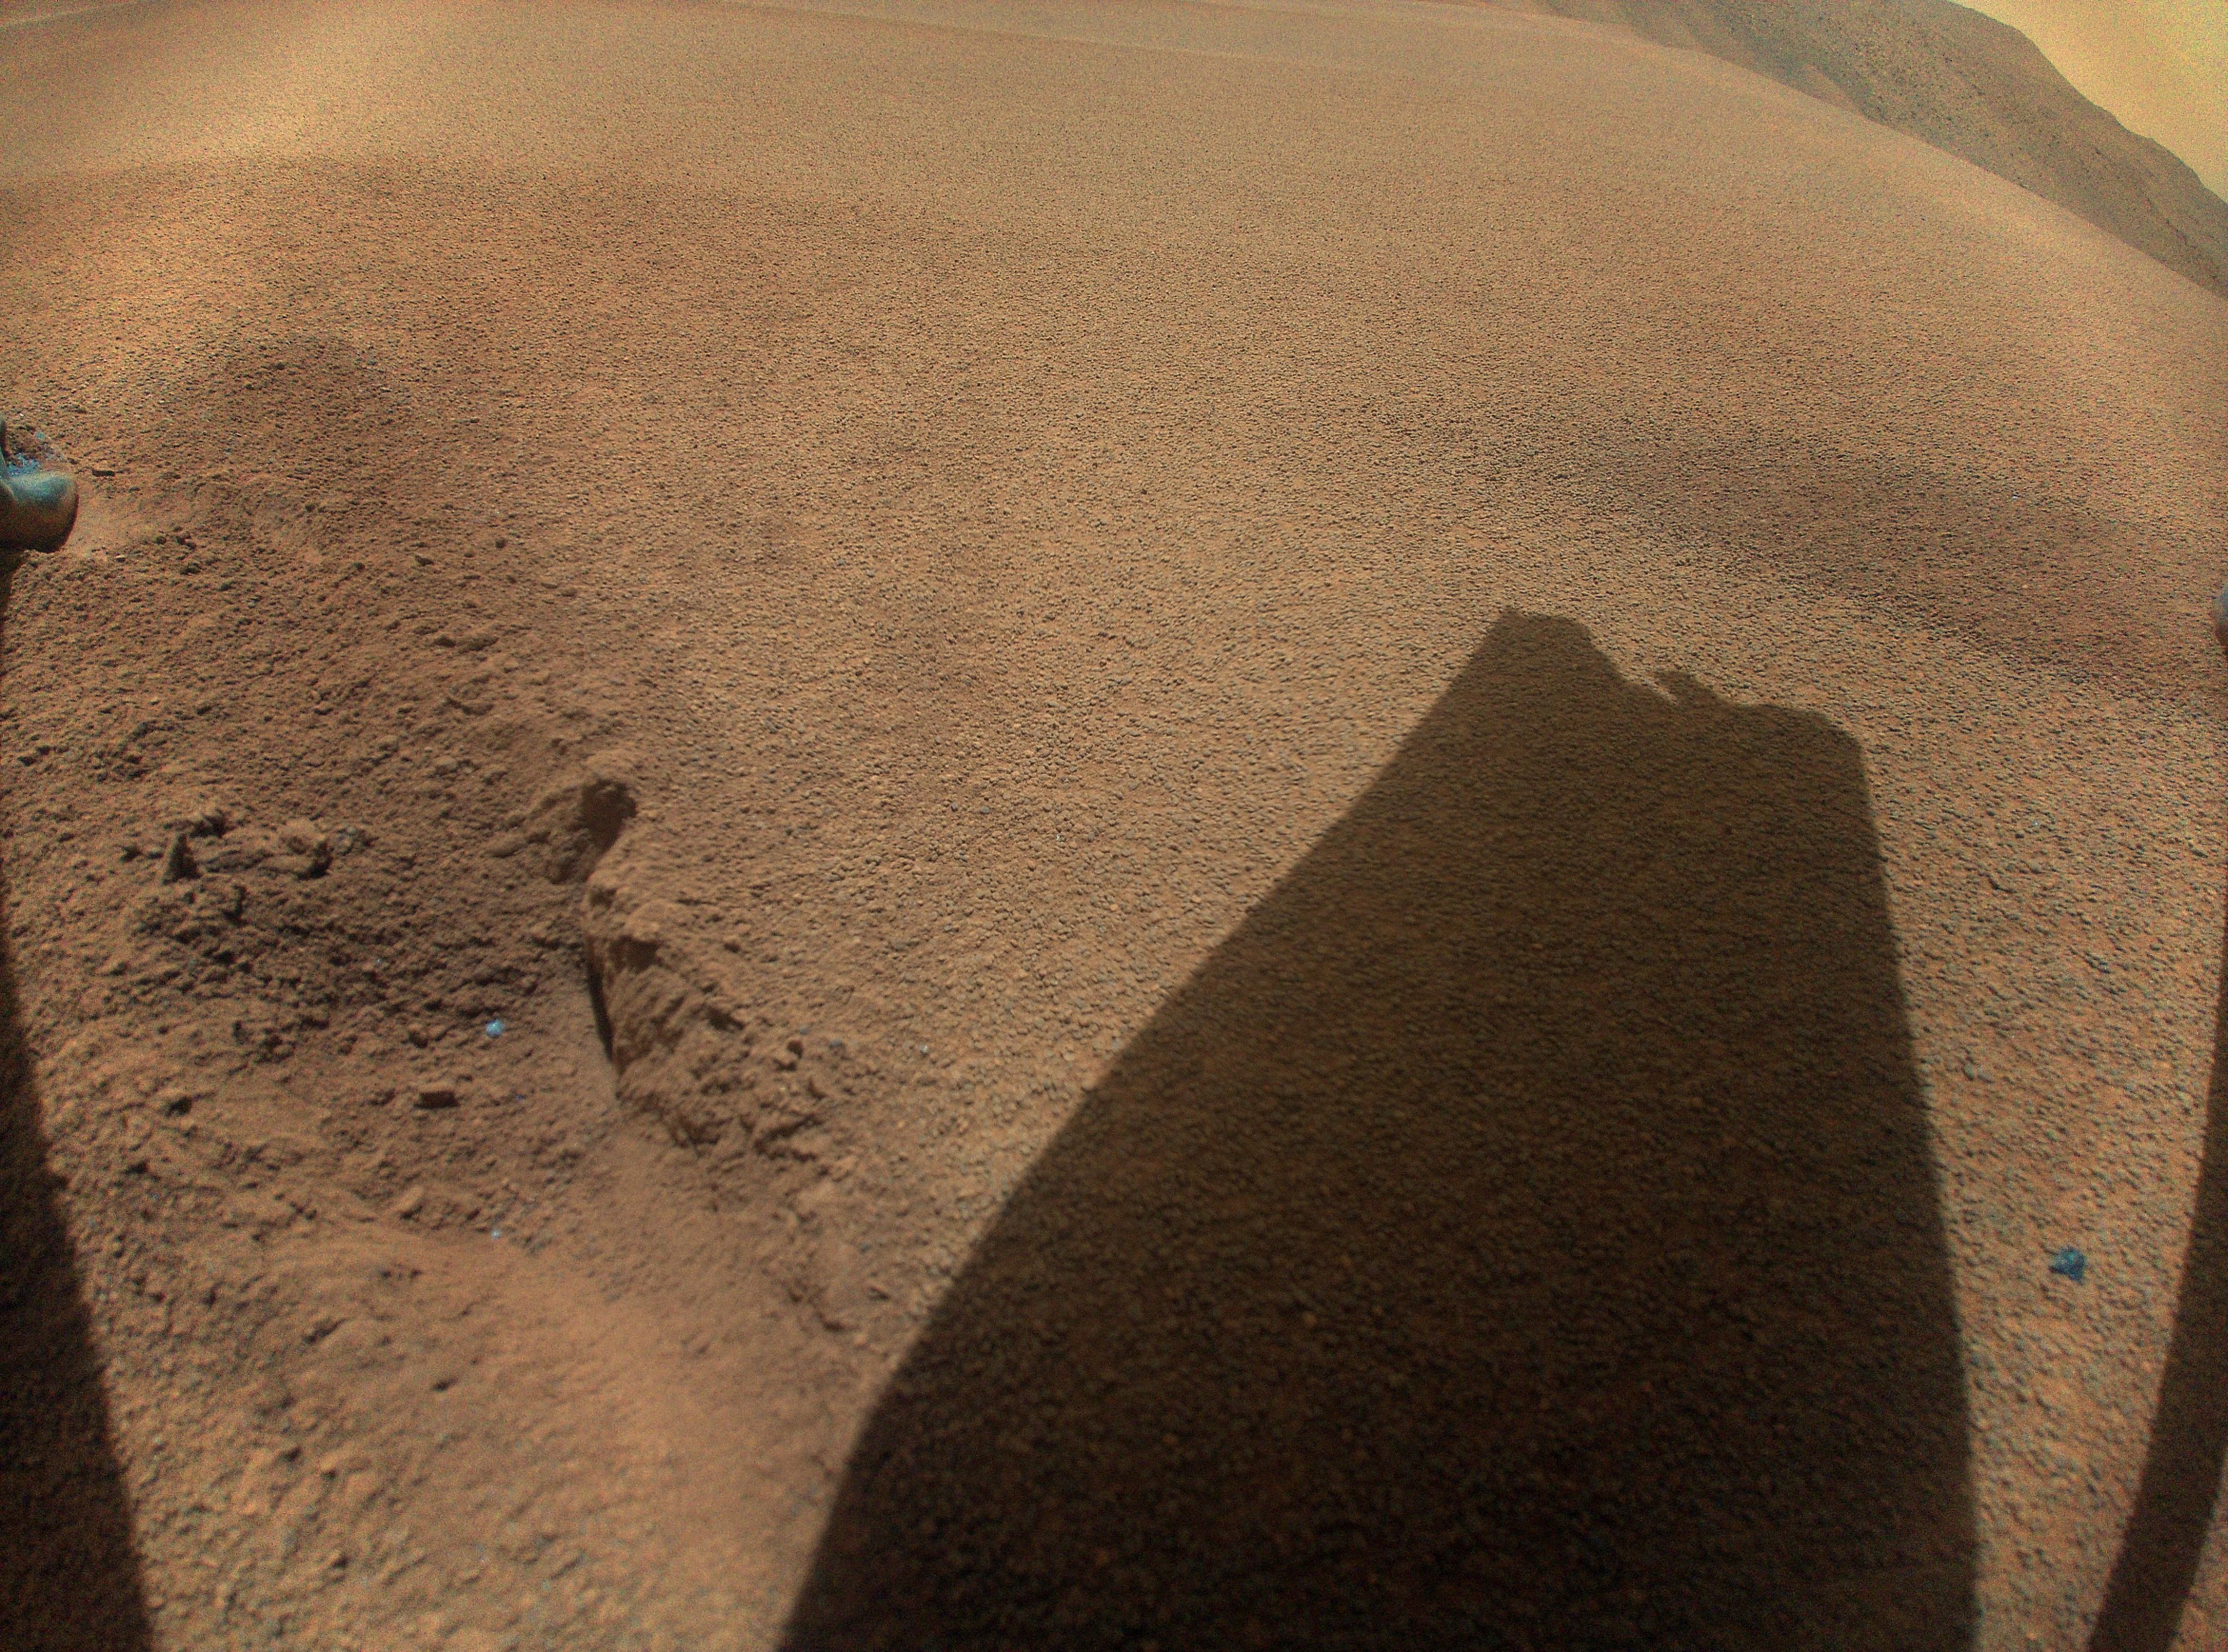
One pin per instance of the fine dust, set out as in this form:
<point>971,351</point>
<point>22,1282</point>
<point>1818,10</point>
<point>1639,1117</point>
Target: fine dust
<point>941,824</point>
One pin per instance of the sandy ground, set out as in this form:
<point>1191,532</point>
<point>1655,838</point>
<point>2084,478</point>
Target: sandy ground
<point>1378,811</point>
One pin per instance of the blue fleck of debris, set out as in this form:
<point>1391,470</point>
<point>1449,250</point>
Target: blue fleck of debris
<point>494,1029</point>
<point>2069,1262</point>
<point>495,1232</point>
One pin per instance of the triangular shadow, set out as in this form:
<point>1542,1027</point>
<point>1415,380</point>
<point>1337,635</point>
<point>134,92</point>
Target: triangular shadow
<point>1520,1232</point>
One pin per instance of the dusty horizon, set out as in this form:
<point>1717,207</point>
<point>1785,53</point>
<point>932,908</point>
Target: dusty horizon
<point>2161,66</point>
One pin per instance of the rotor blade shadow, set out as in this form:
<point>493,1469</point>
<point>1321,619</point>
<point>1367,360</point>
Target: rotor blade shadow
<point>69,1575</point>
<point>1521,1231</point>
<point>2174,1500</point>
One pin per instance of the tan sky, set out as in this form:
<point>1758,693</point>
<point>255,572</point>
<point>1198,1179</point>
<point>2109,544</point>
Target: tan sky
<point>2161,66</point>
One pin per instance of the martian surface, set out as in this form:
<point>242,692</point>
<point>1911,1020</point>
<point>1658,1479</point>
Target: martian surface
<point>1024,825</point>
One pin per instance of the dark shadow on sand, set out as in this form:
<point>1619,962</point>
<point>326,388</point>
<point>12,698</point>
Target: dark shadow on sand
<point>2174,1500</point>
<point>69,1577</point>
<point>1520,1232</point>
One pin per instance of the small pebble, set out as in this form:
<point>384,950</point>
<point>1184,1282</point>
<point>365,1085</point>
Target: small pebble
<point>2070,1264</point>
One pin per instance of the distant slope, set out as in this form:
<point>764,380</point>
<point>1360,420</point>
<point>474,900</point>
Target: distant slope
<point>1963,82</point>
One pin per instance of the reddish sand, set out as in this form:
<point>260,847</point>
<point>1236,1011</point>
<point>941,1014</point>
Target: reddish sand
<point>1389,807</point>
<point>1974,87</point>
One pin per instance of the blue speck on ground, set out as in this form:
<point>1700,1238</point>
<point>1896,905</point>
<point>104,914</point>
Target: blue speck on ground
<point>2069,1262</point>
<point>494,1029</point>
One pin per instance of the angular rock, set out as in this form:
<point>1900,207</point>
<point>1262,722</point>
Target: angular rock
<point>179,865</point>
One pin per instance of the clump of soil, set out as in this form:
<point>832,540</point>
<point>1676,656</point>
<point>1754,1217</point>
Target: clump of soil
<point>321,867</point>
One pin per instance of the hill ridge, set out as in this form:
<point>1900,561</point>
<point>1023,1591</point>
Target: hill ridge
<point>1964,83</point>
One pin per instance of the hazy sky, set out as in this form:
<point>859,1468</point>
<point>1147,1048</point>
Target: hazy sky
<point>2161,66</point>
